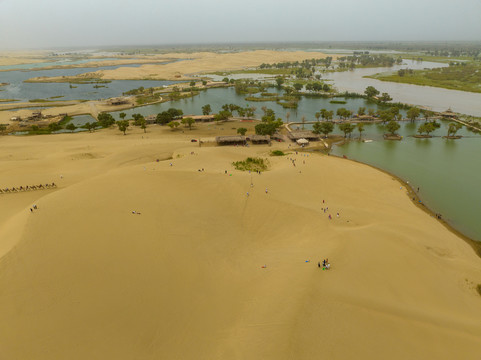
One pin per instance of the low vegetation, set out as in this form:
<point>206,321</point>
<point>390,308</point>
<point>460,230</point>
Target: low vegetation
<point>251,164</point>
<point>277,153</point>
<point>458,76</point>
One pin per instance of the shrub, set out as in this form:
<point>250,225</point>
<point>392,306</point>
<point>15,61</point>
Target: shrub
<point>251,164</point>
<point>277,153</point>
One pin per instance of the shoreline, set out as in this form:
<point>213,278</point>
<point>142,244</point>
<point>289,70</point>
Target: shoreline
<point>475,245</point>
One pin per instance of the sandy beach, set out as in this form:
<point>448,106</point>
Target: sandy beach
<point>202,270</point>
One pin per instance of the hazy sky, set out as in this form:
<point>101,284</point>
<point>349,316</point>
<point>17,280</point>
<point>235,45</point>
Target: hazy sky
<point>57,23</point>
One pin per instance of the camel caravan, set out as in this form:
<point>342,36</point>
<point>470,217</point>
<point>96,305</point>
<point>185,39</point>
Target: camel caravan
<point>27,188</point>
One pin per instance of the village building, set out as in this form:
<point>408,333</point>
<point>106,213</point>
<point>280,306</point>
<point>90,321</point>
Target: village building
<point>449,114</point>
<point>118,101</point>
<point>200,118</point>
<point>231,140</point>
<point>307,135</point>
<point>260,139</point>
<point>151,119</point>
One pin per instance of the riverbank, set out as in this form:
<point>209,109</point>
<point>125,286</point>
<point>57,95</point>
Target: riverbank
<point>176,249</point>
<point>192,63</point>
<point>413,194</point>
<point>462,77</point>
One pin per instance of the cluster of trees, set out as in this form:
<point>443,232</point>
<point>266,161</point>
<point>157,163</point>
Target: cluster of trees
<point>105,120</point>
<point>167,116</point>
<point>269,124</point>
<point>428,127</point>
<point>308,63</point>
<point>368,60</point>
<point>249,86</point>
<point>344,113</point>
<point>403,72</point>
<point>139,91</point>
<point>372,92</point>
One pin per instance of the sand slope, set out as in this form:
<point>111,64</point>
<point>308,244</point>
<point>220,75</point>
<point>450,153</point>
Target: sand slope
<point>87,279</point>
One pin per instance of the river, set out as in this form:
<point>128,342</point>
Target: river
<point>438,99</point>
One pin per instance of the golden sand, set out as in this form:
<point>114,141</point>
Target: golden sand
<point>83,277</point>
<point>194,63</point>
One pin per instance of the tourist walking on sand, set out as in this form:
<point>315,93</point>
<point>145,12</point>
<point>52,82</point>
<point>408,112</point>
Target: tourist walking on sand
<point>319,264</point>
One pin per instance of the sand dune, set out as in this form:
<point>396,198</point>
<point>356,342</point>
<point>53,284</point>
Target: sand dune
<point>84,278</point>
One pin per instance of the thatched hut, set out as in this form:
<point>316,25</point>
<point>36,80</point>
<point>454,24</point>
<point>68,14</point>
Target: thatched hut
<point>260,139</point>
<point>302,142</point>
<point>231,140</point>
<point>118,101</point>
<point>449,114</point>
<point>151,119</point>
<point>200,118</point>
<point>308,135</point>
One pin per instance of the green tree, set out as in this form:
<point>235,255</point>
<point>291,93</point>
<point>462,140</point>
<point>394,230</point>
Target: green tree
<point>192,83</point>
<point>360,128</point>
<point>413,113</point>
<point>241,131</point>
<point>3,127</point>
<point>347,128</point>
<point>54,126</point>
<point>393,126</point>
<point>143,125</point>
<point>371,91</point>
<point>105,120</point>
<point>298,86</point>
<point>329,115</point>
<point>361,111</point>
<point>122,115</point>
<point>138,119</point>
<point>317,115</point>
<point>206,109</point>
<point>288,90</point>
<point>426,127</point>
<point>173,125</point>
<point>204,82</point>
<point>386,116</point>
<point>265,129</point>
<point>324,127</point>
<point>188,122</point>
<point>123,125</point>
<point>163,118</point>
<point>385,97</point>
<point>279,81</point>
<point>71,127</point>
<point>453,128</point>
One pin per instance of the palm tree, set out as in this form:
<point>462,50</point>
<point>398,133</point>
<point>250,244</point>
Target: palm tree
<point>318,115</point>
<point>288,115</point>
<point>303,119</point>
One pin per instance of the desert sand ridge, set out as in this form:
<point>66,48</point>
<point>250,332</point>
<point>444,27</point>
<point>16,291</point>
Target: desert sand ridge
<point>84,277</point>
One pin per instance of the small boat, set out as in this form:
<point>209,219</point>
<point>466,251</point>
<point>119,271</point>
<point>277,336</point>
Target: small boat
<point>367,141</point>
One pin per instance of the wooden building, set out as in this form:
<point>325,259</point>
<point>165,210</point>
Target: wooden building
<point>231,140</point>
<point>260,139</point>
<point>151,119</point>
<point>200,118</point>
<point>308,135</point>
<point>118,101</point>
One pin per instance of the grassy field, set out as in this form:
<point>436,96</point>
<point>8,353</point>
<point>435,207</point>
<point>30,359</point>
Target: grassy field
<point>466,77</point>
